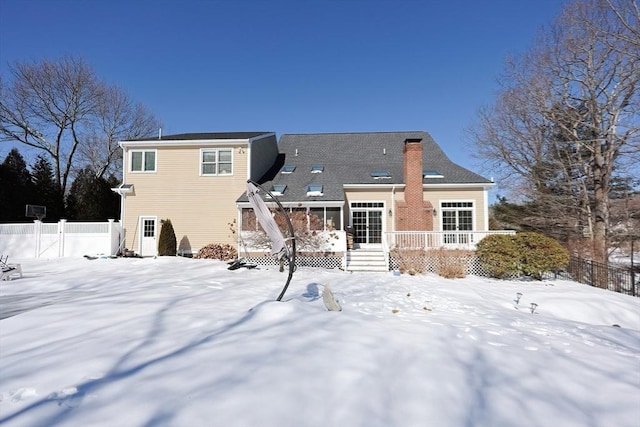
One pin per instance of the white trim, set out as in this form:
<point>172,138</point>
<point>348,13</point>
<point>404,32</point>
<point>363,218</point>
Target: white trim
<point>381,186</point>
<point>199,142</point>
<point>123,189</point>
<point>473,208</point>
<point>147,150</point>
<point>300,204</point>
<point>486,209</point>
<point>383,219</point>
<point>485,185</point>
<point>249,155</point>
<point>217,151</point>
<point>156,232</point>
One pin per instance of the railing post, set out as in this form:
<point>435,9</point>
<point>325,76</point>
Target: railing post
<point>111,240</point>
<point>61,237</point>
<point>37,234</point>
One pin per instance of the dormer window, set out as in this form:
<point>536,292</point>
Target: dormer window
<point>314,190</point>
<point>287,169</point>
<point>278,190</point>
<point>432,174</point>
<point>317,169</point>
<point>380,174</point>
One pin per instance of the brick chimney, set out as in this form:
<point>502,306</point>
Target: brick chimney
<point>413,214</point>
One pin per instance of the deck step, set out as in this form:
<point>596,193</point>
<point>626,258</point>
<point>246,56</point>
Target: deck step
<point>366,260</point>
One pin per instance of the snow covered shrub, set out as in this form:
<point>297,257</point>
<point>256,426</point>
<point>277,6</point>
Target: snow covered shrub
<point>167,243</point>
<point>530,254</point>
<point>410,261</point>
<point>540,254</point>
<point>499,255</point>
<point>217,251</point>
<point>451,263</point>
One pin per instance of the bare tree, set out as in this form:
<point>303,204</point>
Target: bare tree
<point>118,118</point>
<point>61,108</point>
<point>567,117</point>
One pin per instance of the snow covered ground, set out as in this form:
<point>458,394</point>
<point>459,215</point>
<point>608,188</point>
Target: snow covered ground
<point>182,342</point>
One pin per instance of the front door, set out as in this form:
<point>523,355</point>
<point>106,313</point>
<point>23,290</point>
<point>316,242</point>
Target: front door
<point>366,218</point>
<point>148,233</point>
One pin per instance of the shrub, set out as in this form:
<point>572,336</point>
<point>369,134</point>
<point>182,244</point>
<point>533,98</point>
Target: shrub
<point>499,255</point>
<point>217,251</point>
<point>410,261</point>
<point>167,243</point>
<point>531,254</point>
<point>541,254</point>
<point>451,263</point>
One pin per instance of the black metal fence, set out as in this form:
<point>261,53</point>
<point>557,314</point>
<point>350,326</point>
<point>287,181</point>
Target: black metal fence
<point>617,279</point>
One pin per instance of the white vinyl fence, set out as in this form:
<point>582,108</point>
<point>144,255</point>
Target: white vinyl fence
<point>61,239</point>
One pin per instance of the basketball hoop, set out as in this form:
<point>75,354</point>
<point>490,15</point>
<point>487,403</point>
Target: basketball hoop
<point>35,211</point>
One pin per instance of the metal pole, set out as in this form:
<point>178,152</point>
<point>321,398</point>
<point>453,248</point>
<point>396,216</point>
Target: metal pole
<point>633,272</point>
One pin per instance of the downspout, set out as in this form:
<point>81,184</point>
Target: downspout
<point>393,207</point>
<point>123,199</point>
<point>486,209</point>
<point>386,247</point>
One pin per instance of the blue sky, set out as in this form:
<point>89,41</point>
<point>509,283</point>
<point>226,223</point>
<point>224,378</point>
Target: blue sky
<point>289,66</point>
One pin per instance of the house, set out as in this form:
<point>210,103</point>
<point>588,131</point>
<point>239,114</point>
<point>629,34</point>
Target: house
<point>388,189</point>
<point>191,179</point>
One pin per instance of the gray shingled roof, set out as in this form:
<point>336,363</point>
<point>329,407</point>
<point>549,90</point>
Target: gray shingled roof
<point>349,158</point>
<point>204,136</point>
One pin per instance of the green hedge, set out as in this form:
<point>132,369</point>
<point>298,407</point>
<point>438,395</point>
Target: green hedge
<point>530,254</point>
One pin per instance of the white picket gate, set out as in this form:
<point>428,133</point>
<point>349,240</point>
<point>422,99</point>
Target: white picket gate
<point>61,239</point>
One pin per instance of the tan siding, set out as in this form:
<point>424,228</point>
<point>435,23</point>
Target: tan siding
<point>370,195</point>
<point>476,196</point>
<point>199,207</point>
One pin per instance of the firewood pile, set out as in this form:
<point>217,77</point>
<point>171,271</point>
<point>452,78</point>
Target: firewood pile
<point>217,251</point>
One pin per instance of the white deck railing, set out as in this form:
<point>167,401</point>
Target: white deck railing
<point>423,240</point>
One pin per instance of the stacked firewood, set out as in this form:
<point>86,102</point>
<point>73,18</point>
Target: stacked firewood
<point>217,251</point>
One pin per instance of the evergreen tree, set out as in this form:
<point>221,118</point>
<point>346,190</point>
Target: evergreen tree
<point>46,191</point>
<point>91,198</point>
<point>167,243</point>
<point>15,188</point>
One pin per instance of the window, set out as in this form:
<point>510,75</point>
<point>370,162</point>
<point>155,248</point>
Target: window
<point>278,190</point>
<point>149,228</point>
<point>380,174</point>
<point>288,169</point>
<point>314,190</point>
<point>216,161</point>
<point>317,218</point>
<point>334,219</point>
<point>328,219</point>
<point>249,221</point>
<point>143,160</point>
<point>317,169</point>
<point>432,174</point>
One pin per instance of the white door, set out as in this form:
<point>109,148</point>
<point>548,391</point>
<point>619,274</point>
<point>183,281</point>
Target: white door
<point>148,233</point>
<point>366,218</point>
<point>457,217</point>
